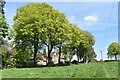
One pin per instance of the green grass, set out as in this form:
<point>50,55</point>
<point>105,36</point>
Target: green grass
<point>90,70</point>
<point>0,74</point>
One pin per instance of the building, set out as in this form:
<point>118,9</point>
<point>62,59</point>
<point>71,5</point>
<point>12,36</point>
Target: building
<point>42,60</point>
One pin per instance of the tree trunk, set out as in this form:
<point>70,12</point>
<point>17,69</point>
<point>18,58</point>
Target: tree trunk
<point>49,56</point>
<point>35,52</point>
<point>59,59</point>
<point>70,57</point>
<point>78,57</point>
<point>36,40</point>
<point>84,58</point>
<point>115,57</point>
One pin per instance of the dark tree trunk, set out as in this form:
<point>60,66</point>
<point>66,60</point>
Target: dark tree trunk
<point>36,40</point>
<point>84,58</point>
<point>49,55</point>
<point>35,52</point>
<point>59,59</point>
<point>115,57</point>
<point>78,57</point>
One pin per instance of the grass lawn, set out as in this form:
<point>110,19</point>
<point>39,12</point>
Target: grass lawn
<point>90,70</point>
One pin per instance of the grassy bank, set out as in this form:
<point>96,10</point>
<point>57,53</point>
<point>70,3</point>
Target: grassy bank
<point>90,70</point>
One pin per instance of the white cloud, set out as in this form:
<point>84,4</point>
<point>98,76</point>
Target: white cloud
<point>91,19</point>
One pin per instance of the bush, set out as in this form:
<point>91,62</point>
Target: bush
<point>67,63</point>
<point>26,64</point>
<point>74,62</point>
<point>110,60</point>
<point>7,58</point>
<point>20,64</point>
<point>61,64</point>
<point>92,61</point>
<point>31,63</point>
<point>8,63</point>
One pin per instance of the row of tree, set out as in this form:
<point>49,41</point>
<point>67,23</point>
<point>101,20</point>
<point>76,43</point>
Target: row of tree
<point>38,26</point>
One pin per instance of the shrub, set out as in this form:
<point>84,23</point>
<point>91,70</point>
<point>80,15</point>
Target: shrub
<point>7,58</point>
<point>92,61</point>
<point>74,62</point>
<point>67,63</point>
<point>61,64</point>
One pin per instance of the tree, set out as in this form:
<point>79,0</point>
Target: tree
<point>7,55</point>
<point>3,23</point>
<point>76,37</point>
<point>80,43</point>
<point>4,51</point>
<point>27,25</point>
<point>55,30</point>
<point>91,53</point>
<point>85,49</point>
<point>113,50</point>
<point>39,23</point>
<point>66,36</point>
<point>2,4</point>
<point>90,41</point>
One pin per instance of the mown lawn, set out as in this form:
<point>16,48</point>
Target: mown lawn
<point>90,70</point>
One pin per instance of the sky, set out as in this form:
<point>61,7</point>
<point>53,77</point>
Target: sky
<point>98,18</point>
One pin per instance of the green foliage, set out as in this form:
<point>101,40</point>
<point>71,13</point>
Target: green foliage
<point>2,4</point>
<point>3,23</point>
<point>43,24</point>
<point>3,28</point>
<point>89,38</point>
<point>76,36</point>
<point>4,48</point>
<point>27,26</point>
<point>80,43</point>
<point>22,56</point>
<point>85,49</point>
<point>113,50</point>
<point>8,59</point>
<point>92,70</point>
<point>91,53</point>
<point>38,24</point>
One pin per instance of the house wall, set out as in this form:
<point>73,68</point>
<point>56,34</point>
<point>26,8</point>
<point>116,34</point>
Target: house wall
<point>55,58</point>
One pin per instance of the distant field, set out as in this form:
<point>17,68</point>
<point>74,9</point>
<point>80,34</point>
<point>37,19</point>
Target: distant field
<point>90,70</point>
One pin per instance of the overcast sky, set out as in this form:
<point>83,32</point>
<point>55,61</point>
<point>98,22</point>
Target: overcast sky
<point>99,18</point>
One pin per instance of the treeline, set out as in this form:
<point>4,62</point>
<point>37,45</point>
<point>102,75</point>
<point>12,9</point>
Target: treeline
<point>38,27</point>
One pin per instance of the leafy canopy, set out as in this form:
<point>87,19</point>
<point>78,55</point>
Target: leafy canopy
<point>113,49</point>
